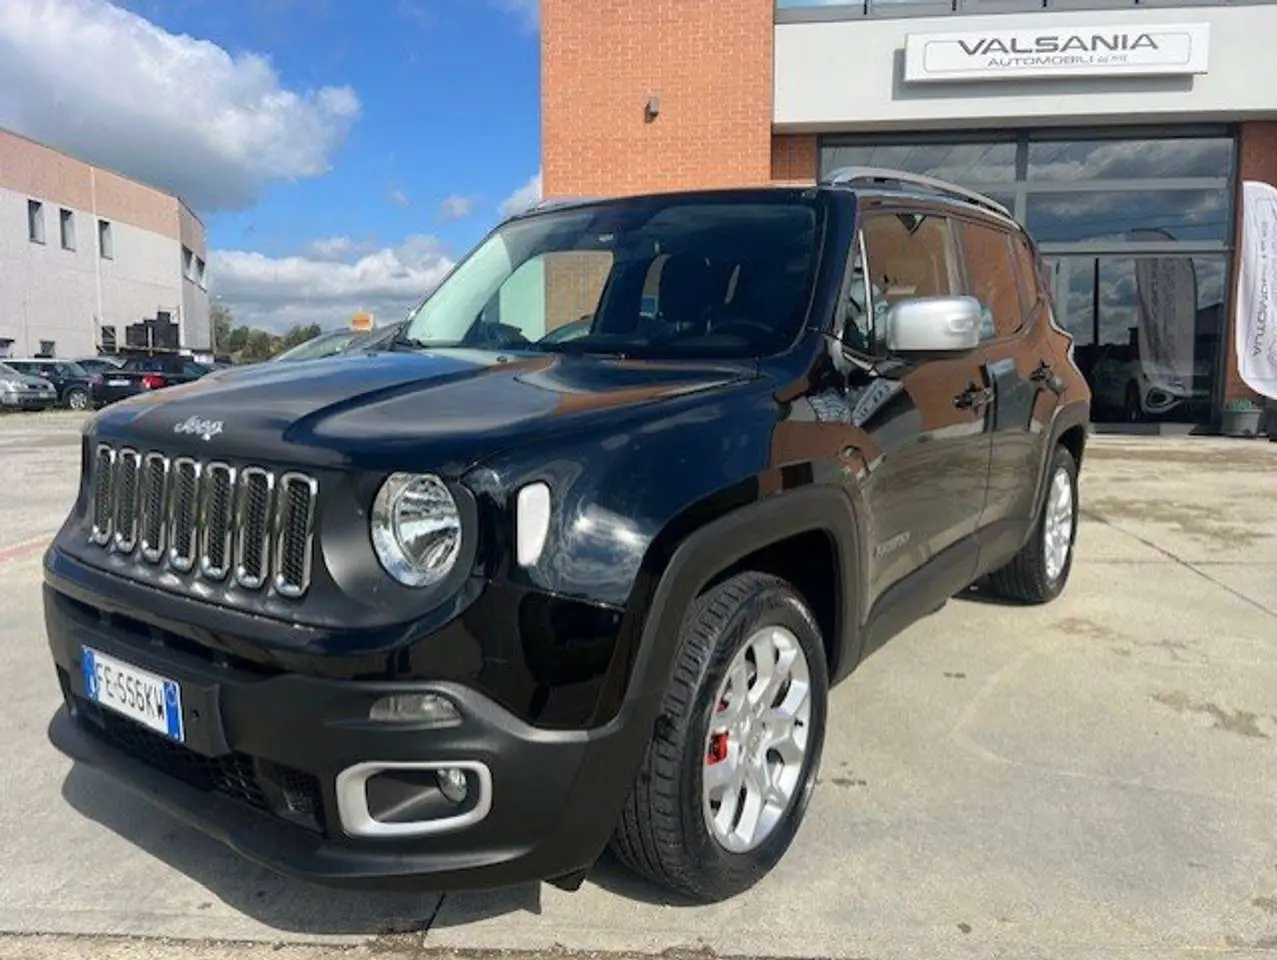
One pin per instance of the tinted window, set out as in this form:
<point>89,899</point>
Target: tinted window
<point>991,273</point>
<point>909,255</point>
<point>1027,274</point>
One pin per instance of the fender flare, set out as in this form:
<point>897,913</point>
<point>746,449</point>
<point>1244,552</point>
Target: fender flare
<point>726,540</point>
<point>1065,418</point>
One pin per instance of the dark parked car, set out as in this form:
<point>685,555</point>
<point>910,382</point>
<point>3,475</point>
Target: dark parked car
<point>143,374</point>
<point>466,611</point>
<point>99,364</point>
<point>77,388</point>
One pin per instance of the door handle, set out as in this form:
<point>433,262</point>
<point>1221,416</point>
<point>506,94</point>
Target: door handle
<point>1044,374</point>
<point>973,396</point>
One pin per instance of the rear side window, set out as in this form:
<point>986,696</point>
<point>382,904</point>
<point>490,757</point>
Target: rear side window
<point>1026,268</point>
<point>993,277</point>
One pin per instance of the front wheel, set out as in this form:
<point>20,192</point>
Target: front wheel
<point>730,770</point>
<point>77,400</point>
<point>1041,568</point>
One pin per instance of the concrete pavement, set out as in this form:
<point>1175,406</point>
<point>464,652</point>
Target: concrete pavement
<point>1094,778</point>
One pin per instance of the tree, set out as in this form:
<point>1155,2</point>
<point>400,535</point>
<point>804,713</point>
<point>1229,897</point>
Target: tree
<point>221,322</point>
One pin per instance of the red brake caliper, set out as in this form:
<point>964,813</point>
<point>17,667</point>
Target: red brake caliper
<point>717,742</point>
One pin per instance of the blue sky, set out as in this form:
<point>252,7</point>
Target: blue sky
<point>341,154</point>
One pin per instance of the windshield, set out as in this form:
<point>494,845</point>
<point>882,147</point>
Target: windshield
<point>323,345</point>
<point>657,277</point>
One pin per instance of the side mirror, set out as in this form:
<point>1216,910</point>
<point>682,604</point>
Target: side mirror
<point>934,325</point>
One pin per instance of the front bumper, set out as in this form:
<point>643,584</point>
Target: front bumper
<point>22,400</point>
<point>265,752</point>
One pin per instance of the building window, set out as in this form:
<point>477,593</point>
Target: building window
<point>35,221</point>
<point>67,223</point>
<point>199,272</point>
<point>108,339</point>
<point>106,249</point>
<point>47,349</point>
<point>188,263</point>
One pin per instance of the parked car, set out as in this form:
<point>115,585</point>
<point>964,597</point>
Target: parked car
<point>141,374</point>
<point>100,364</point>
<point>77,388</point>
<point>21,391</point>
<point>467,611</point>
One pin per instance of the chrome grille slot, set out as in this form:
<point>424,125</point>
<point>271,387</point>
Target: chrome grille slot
<point>217,523</point>
<point>206,519</point>
<point>155,472</point>
<point>294,534</point>
<point>184,514</point>
<point>253,527</point>
<point>103,495</point>
<point>128,467</point>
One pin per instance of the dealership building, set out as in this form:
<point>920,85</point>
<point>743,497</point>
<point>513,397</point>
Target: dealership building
<point>1119,132</point>
<point>92,261</point>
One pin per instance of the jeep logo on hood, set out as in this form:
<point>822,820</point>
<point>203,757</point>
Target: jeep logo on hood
<point>204,429</point>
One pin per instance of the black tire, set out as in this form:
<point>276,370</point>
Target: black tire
<point>662,834</point>
<point>1026,578</point>
<point>77,399</point>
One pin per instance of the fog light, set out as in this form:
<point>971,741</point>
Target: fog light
<point>420,708</point>
<point>452,784</point>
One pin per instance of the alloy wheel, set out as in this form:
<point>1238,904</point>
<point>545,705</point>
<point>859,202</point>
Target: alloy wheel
<point>757,741</point>
<point>1057,530</point>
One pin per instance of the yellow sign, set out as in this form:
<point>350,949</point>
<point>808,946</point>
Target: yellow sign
<point>361,322</point>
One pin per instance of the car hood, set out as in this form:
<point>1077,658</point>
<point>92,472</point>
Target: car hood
<point>447,408</point>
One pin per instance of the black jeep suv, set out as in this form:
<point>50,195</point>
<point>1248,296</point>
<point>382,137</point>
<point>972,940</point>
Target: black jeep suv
<point>465,610</point>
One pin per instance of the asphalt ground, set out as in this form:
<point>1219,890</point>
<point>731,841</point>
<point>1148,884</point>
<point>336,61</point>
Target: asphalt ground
<point>1092,778</point>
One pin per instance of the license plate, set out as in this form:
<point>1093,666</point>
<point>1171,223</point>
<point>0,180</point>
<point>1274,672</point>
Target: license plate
<point>154,702</point>
<point>117,383</point>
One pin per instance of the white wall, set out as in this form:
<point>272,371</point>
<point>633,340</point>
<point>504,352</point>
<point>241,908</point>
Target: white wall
<point>47,293</point>
<point>848,75</point>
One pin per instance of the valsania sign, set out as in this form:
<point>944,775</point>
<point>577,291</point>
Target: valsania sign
<point>1149,49</point>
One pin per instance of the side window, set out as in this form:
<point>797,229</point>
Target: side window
<point>993,278</point>
<point>906,255</point>
<point>1026,268</point>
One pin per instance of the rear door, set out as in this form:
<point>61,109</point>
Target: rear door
<point>1001,273</point>
<point>929,462</point>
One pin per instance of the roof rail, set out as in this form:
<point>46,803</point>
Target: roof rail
<point>553,202</point>
<point>844,176</point>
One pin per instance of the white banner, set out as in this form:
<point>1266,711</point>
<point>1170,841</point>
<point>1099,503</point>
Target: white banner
<point>1166,312</point>
<point>1256,319</point>
<point>1143,48</point>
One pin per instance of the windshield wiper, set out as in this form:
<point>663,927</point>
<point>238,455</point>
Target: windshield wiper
<point>405,342</point>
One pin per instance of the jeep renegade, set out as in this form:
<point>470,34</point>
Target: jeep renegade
<point>467,609</point>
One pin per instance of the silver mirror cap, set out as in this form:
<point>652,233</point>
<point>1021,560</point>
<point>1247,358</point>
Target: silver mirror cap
<point>934,325</point>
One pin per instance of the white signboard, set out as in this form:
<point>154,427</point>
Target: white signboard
<point>1257,290</point>
<point>1142,49</point>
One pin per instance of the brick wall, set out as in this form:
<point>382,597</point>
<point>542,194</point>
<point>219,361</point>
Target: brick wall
<point>573,284</point>
<point>1257,161</point>
<point>795,158</point>
<point>709,62</point>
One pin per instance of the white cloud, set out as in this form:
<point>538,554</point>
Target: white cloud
<point>108,86</point>
<point>274,293</point>
<point>399,198</point>
<point>526,197</point>
<point>457,207</point>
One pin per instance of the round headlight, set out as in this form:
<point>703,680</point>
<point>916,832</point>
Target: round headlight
<point>416,529</point>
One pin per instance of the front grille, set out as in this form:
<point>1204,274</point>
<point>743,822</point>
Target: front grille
<point>290,794</point>
<point>210,519</point>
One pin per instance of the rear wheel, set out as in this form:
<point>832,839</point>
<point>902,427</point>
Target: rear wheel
<point>1041,568</point>
<point>77,399</point>
<point>728,775</point>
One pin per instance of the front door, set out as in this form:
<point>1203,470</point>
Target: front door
<point>929,459</point>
